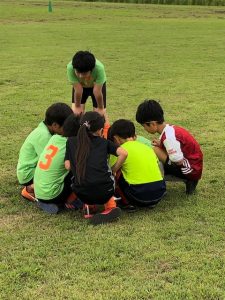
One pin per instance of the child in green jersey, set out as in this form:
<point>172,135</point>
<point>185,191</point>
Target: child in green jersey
<point>35,143</point>
<point>140,181</point>
<point>87,75</point>
<point>52,181</point>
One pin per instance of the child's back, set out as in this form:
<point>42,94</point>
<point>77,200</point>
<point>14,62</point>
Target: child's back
<point>30,152</point>
<point>141,165</point>
<point>50,171</point>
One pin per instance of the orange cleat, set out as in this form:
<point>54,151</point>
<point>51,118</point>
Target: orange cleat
<point>28,196</point>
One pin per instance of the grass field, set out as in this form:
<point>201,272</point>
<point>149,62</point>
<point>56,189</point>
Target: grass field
<point>171,53</point>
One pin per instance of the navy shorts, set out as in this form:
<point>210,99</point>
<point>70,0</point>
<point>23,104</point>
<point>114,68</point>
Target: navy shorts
<point>146,194</point>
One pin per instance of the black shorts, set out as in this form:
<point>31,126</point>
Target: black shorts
<point>146,194</point>
<point>95,194</point>
<point>28,183</point>
<point>62,197</point>
<point>89,92</point>
<point>171,168</point>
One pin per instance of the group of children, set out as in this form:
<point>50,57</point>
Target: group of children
<point>71,161</point>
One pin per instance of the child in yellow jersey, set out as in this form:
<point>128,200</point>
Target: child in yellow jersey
<point>141,180</point>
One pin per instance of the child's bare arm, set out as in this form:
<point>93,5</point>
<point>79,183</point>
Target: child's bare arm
<point>122,155</point>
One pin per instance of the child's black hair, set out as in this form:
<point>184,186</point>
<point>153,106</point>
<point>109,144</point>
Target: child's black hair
<point>149,110</point>
<point>123,128</point>
<point>90,123</point>
<point>71,125</point>
<point>57,113</point>
<point>83,61</point>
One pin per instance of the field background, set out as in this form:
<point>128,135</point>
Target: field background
<point>171,53</point>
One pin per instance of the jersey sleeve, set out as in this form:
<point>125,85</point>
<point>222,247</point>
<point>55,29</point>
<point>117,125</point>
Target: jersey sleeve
<point>172,145</point>
<point>71,75</point>
<point>100,74</point>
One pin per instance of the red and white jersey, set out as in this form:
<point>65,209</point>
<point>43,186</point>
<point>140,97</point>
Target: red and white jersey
<point>181,145</point>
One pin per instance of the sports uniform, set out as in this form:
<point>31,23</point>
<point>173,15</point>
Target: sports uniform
<point>51,180</point>
<point>30,152</point>
<point>98,185</point>
<point>181,145</point>
<point>141,180</point>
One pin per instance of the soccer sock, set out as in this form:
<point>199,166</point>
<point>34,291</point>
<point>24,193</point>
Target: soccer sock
<point>105,130</point>
<point>110,204</point>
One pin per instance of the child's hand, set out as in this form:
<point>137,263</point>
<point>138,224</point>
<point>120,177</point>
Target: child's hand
<point>156,143</point>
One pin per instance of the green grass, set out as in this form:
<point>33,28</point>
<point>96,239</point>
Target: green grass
<point>171,53</point>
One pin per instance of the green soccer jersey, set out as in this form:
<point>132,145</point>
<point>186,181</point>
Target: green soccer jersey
<point>143,140</point>
<point>97,75</point>
<point>141,165</point>
<point>50,171</point>
<point>30,152</point>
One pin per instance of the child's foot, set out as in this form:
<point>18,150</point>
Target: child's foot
<point>191,186</point>
<point>25,194</point>
<point>49,208</point>
<point>106,216</point>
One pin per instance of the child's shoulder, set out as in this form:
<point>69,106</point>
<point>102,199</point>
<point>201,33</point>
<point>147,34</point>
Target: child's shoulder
<point>170,129</point>
<point>144,141</point>
<point>39,133</point>
<point>57,140</point>
<point>136,146</point>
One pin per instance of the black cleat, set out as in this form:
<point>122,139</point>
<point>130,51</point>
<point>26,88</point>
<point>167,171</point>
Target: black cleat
<point>107,216</point>
<point>191,186</point>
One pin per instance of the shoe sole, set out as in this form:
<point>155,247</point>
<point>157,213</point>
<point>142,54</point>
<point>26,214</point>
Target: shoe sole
<point>50,208</point>
<point>106,218</point>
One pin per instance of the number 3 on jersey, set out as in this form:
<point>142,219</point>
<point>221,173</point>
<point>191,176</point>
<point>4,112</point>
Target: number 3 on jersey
<point>49,157</point>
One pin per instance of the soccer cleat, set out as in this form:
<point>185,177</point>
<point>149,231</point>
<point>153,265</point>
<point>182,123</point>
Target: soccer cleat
<point>106,216</point>
<point>49,208</point>
<point>191,186</point>
<point>26,195</point>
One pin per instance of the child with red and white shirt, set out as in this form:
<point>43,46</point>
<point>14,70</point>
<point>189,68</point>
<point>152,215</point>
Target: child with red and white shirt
<point>176,148</point>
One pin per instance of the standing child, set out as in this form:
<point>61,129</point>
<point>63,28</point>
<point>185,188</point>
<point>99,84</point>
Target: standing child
<point>87,157</point>
<point>52,181</point>
<point>35,143</point>
<point>140,181</point>
<point>87,75</point>
<point>176,148</point>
